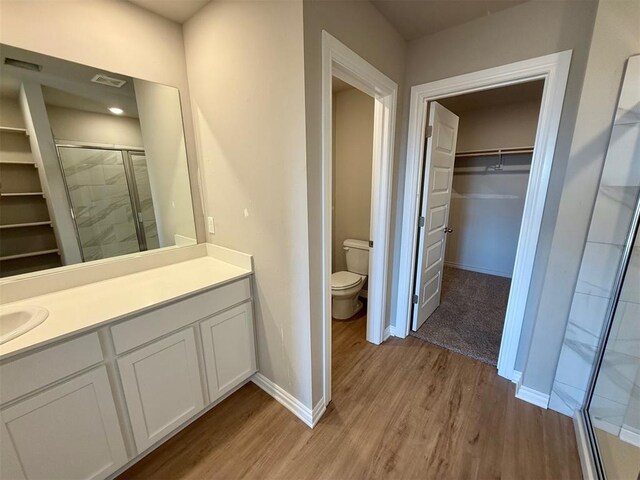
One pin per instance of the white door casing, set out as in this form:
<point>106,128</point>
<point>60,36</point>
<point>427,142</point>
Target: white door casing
<point>440,156</point>
<point>554,70</point>
<point>339,61</point>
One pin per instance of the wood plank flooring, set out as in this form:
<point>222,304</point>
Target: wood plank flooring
<point>404,409</point>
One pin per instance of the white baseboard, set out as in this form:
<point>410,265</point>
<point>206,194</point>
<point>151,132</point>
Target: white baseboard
<point>471,268</point>
<point>390,331</point>
<point>610,428</point>
<point>318,412</point>
<point>295,406</point>
<point>387,333</point>
<point>530,395</point>
<point>630,435</point>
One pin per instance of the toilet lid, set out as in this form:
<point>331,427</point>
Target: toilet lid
<point>342,280</point>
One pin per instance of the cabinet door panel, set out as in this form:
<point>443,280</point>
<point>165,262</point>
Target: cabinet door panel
<point>66,432</point>
<point>162,386</point>
<point>229,349</point>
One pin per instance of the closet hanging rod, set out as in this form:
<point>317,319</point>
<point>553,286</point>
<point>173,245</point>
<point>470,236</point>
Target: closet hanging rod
<point>495,151</point>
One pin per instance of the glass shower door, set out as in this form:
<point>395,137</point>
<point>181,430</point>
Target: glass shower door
<point>613,407</point>
<point>146,213</point>
<point>101,201</point>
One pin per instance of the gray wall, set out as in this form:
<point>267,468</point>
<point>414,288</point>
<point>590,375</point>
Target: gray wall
<point>246,77</point>
<point>486,205</point>
<point>364,30</point>
<point>91,127</point>
<point>616,36</point>
<point>525,31</point>
<point>485,214</point>
<point>608,232</point>
<point>353,154</point>
<point>161,125</point>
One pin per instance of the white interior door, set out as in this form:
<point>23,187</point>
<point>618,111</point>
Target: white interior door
<point>440,154</point>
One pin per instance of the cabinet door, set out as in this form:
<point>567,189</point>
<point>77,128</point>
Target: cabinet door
<point>65,432</point>
<point>229,349</point>
<point>162,386</point>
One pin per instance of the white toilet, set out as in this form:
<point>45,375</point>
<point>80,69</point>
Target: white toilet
<point>345,286</point>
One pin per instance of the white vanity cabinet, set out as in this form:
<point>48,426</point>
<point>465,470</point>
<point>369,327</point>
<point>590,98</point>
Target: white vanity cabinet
<point>85,407</point>
<point>229,351</point>
<point>59,418</point>
<point>162,386</point>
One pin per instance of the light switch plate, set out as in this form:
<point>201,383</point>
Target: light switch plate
<point>211,226</point>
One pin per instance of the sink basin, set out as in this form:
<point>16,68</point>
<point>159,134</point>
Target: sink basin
<point>16,321</point>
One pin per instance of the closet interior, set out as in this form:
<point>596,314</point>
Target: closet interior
<point>494,150</point>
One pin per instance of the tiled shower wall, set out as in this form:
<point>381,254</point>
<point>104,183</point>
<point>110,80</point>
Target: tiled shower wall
<point>608,232</point>
<point>616,397</point>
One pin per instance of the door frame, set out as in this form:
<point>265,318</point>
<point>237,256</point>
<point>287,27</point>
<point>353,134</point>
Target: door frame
<point>340,61</point>
<point>554,70</point>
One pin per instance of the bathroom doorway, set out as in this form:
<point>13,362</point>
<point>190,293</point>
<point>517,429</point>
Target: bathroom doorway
<point>341,62</point>
<point>352,157</point>
<point>477,164</point>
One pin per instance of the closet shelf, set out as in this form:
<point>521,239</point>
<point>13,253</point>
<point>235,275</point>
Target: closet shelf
<point>29,254</point>
<point>13,130</point>
<point>495,151</point>
<point>15,162</point>
<point>22,225</point>
<point>22,194</point>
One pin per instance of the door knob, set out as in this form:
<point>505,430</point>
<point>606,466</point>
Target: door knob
<point>447,230</point>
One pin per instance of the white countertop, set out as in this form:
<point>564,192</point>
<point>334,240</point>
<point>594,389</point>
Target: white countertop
<point>85,307</point>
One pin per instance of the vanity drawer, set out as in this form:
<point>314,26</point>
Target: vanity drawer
<point>34,371</point>
<point>149,326</point>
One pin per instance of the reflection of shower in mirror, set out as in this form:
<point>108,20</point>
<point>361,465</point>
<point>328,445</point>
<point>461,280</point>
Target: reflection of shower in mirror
<point>93,165</point>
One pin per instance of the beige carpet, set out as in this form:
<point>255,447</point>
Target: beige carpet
<point>470,317</point>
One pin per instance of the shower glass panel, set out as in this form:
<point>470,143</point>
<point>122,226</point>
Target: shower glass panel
<point>103,201</point>
<point>145,200</point>
<point>614,405</point>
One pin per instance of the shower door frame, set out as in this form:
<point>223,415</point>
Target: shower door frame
<point>584,425</point>
<point>125,151</point>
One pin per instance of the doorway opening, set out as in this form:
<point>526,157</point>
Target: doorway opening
<point>553,70</point>
<point>352,158</point>
<point>342,63</point>
<point>477,161</point>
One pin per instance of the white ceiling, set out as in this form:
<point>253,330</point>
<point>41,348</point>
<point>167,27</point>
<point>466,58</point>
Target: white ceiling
<point>411,18</point>
<point>177,10</point>
<point>66,84</point>
<point>417,18</point>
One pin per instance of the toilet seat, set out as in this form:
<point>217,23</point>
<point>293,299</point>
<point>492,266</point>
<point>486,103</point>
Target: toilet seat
<point>344,280</point>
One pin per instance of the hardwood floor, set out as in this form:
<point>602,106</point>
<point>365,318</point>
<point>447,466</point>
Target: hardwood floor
<point>404,409</point>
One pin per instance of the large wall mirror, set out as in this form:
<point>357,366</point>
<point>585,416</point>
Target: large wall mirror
<point>93,164</point>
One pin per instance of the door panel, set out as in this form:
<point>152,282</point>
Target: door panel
<point>67,431</point>
<point>229,349</point>
<point>437,218</point>
<point>162,386</point>
<point>436,197</point>
<point>434,255</point>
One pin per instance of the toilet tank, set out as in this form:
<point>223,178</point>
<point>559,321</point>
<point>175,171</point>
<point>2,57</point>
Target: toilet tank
<point>357,252</point>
